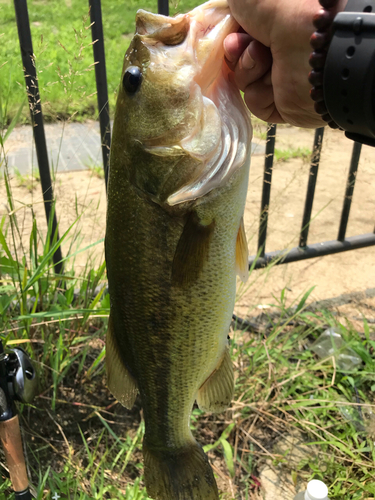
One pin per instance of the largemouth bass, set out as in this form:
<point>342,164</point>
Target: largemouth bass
<point>175,237</point>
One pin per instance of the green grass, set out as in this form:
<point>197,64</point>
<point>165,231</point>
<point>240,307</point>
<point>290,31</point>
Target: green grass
<point>64,58</point>
<point>97,170</point>
<point>287,154</point>
<point>260,128</point>
<point>286,386</point>
<point>30,182</point>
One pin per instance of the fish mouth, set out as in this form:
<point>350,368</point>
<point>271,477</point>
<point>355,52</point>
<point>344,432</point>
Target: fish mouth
<point>209,25</point>
<point>222,137</point>
<point>215,130</point>
<point>200,32</point>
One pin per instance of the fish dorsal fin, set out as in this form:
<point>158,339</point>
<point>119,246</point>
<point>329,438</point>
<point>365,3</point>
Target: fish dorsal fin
<point>242,253</point>
<point>169,30</point>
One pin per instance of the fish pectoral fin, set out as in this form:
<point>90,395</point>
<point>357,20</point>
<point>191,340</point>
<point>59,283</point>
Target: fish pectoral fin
<point>242,253</point>
<point>120,382</point>
<point>174,150</point>
<point>217,391</point>
<point>192,250</point>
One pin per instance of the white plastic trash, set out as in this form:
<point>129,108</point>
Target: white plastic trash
<point>316,490</point>
<point>331,343</point>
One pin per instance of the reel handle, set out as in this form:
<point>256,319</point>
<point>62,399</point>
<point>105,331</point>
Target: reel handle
<point>10,437</point>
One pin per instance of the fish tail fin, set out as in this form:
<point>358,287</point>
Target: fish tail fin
<point>183,474</point>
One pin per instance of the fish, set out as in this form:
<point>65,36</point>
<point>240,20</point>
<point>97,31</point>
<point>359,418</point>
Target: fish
<point>175,237</point>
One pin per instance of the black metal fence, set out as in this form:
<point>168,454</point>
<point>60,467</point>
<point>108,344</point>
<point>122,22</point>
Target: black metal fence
<point>303,251</point>
<point>32,89</point>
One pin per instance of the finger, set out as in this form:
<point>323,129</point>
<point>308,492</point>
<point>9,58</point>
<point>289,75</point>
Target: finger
<point>234,45</point>
<point>254,63</point>
<point>259,99</point>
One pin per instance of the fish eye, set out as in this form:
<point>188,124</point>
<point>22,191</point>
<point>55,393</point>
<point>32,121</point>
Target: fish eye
<point>132,79</point>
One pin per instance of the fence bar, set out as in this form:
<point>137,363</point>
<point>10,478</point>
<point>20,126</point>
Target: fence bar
<point>163,7</point>
<point>315,250</point>
<point>357,147</point>
<point>32,89</point>
<point>267,178</point>
<point>101,80</point>
<point>315,159</point>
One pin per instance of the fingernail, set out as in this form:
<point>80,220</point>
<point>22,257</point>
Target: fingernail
<point>229,54</point>
<point>247,61</point>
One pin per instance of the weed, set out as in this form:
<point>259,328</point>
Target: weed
<point>283,155</point>
<point>30,182</point>
<point>260,134</point>
<point>260,128</point>
<point>97,170</point>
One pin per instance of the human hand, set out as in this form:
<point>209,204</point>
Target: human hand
<point>270,60</point>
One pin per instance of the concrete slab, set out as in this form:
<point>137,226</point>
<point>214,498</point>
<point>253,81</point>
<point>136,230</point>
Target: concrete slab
<point>70,146</point>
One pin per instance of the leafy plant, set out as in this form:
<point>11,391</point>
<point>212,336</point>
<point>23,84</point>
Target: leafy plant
<point>30,182</point>
<point>290,153</point>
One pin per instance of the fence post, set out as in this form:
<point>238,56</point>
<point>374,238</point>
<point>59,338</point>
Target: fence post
<point>101,81</point>
<point>32,89</point>
<point>266,193</point>
<point>163,7</point>
<point>357,148</point>
<point>315,160</point>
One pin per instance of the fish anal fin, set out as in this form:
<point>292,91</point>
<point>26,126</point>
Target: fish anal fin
<point>216,393</point>
<point>192,250</point>
<point>180,474</point>
<point>120,382</point>
<point>242,253</point>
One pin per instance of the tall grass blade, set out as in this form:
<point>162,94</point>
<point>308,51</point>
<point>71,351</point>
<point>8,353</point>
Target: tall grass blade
<point>14,122</point>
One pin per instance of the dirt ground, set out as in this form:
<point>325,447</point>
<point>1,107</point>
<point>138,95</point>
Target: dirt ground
<point>346,276</point>
<point>333,276</point>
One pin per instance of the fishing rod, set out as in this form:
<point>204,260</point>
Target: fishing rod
<point>18,382</point>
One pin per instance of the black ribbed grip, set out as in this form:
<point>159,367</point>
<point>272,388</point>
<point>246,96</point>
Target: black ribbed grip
<point>349,73</point>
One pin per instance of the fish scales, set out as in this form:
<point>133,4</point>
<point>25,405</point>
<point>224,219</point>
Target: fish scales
<point>172,333</point>
<point>174,239</point>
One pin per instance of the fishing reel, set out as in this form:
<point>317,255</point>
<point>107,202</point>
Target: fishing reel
<point>18,380</point>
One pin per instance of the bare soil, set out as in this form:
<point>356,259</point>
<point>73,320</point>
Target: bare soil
<point>79,195</point>
<point>332,276</point>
